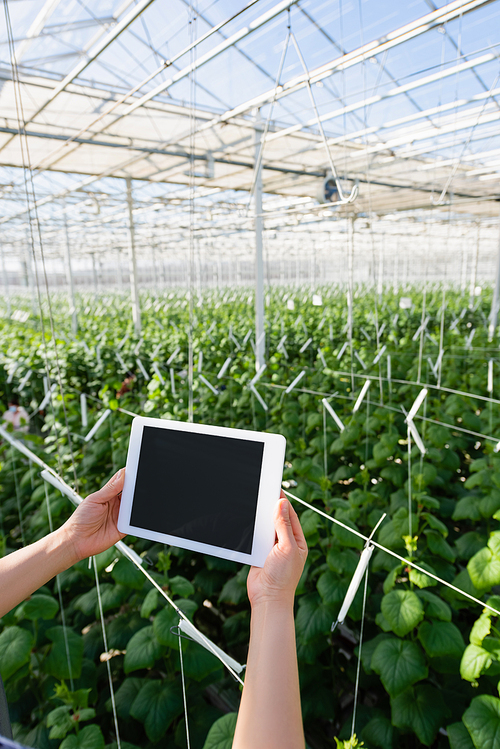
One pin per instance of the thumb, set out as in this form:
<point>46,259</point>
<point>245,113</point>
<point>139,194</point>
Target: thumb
<point>111,489</point>
<point>283,524</point>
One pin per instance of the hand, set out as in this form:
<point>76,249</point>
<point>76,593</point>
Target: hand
<point>92,527</point>
<point>279,577</point>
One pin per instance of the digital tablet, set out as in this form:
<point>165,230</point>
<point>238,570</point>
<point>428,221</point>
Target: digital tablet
<point>204,488</point>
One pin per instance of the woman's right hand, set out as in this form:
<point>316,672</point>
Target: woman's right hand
<point>278,579</point>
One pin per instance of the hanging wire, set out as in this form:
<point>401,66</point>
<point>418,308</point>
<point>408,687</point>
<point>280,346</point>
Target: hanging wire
<point>108,659</point>
<point>358,667</point>
<point>184,698</point>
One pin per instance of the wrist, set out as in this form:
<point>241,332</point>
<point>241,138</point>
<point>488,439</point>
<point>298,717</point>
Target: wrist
<point>66,546</point>
<point>282,602</point>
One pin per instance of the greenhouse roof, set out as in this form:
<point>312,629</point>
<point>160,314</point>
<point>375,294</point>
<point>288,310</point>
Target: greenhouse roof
<point>407,95</point>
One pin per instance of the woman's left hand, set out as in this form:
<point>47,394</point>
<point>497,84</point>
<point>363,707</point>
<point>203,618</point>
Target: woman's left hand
<point>93,526</point>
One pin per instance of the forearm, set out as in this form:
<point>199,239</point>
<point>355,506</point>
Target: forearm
<point>270,715</point>
<point>26,570</point>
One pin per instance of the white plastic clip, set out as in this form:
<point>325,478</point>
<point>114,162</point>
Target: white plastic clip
<point>208,384</point>
<point>224,367</point>
<point>102,418</point>
<point>295,382</point>
<point>190,630</point>
<point>141,367</point>
<point>361,396</point>
<point>333,414</point>
<point>156,370</point>
<point>83,409</point>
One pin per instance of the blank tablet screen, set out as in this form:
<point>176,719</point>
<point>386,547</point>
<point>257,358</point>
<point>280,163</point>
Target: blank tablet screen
<point>198,486</point>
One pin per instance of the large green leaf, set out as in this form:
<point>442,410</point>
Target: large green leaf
<point>420,709</point>
<point>314,618</point>
<point>484,569</point>
<point>441,639</point>
<point>156,705</point>
<point>126,694</point>
<point>180,586</point>
<point>482,720</point>
<point>435,607</point>
<point>125,573</point>
<point>459,737</point>
<point>38,607</point>
<point>142,651</point>
<point>66,654</point>
<point>469,544</point>
<point>15,649</point>
<point>399,664</point>
<point>221,734</point>
<point>439,546</point>
<point>403,610</point>
<point>475,661</point>
<point>379,732</point>
<point>89,737</point>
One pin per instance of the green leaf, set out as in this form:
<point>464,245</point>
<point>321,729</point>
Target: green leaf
<point>494,543</point>
<point>89,737</point>
<point>198,662</point>
<point>156,705</point>
<point>168,618</point>
<point>481,628</point>
<point>56,664</point>
<point>180,586</point>
<point>125,573</point>
<point>475,661</point>
<point>314,618</point>
<point>467,508</point>
<point>403,610</point>
<point>142,650</point>
<point>435,608</point>
<point>420,709</point>
<point>470,543</point>
<point>15,649</point>
<point>441,639</point>
<point>482,720</point>
<point>439,546</point>
<point>369,648</point>
<point>149,604</point>
<point>126,694</point>
<point>221,734</point>
<point>378,732</point>
<point>38,607</point>
<point>399,664</point>
<point>420,579</point>
<point>309,521</point>
<point>436,524</point>
<point>59,721</point>
<point>484,569</point>
<point>459,737</point>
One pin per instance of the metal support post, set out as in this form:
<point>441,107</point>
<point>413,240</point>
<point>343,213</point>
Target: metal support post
<point>134,292</point>
<point>69,278</point>
<point>496,293</point>
<point>94,273</point>
<point>5,281</point>
<point>260,342</point>
<point>350,279</point>
<point>473,277</point>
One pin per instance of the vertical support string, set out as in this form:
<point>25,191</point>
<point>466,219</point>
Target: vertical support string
<point>358,667</point>
<point>108,666</point>
<point>184,698</point>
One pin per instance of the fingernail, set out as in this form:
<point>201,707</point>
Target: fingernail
<point>284,509</point>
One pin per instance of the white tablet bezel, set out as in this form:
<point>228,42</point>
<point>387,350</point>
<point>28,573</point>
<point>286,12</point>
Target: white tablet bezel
<point>269,489</point>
